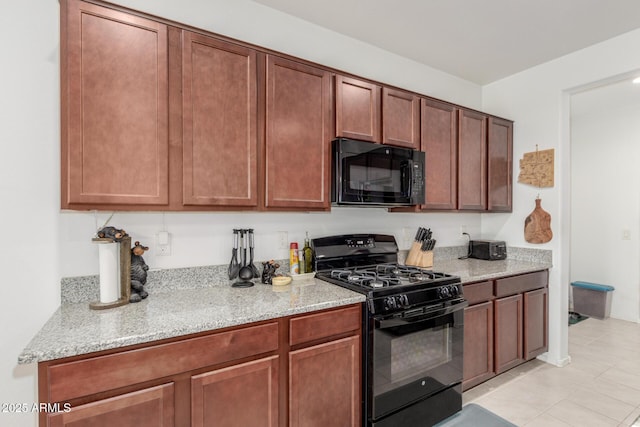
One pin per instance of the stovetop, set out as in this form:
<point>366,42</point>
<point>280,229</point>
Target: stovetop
<point>393,287</point>
<point>367,263</point>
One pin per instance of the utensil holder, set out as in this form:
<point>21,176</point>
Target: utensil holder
<point>115,273</point>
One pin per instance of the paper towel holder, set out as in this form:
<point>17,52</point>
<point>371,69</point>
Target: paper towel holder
<point>125,273</point>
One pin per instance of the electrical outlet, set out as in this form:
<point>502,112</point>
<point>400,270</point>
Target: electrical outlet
<point>163,250</point>
<point>626,234</point>
<point>163,243</point>
<point>283,240</point>
<point>463,229</point>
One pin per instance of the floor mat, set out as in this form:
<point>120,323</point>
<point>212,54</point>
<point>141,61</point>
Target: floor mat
<point>473,415</point>
<point>576,317</point>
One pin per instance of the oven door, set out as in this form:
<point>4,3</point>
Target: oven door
<point>413,356</point>
<point>373,174</point>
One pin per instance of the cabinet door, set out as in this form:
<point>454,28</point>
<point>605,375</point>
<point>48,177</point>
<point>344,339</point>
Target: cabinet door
<point>439,139</point>
<point>324,384</point>
<point>400,118</point>
<point>297,138</point>
<point>508,333</point>
<point>114,94</point>
<point>151,407</point>
<point>472,160</point>
<point>478,344</point>
<point>535,323</point>
<point>241,395</point>
<point>219,122</point>
<point>499,171</point>
<point>357,109</point>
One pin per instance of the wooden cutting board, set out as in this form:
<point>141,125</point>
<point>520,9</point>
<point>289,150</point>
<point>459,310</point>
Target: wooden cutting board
<point>537,226</point>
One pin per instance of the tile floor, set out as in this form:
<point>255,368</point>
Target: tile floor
<point>599,388</point>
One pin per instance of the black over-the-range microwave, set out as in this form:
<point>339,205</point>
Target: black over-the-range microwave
<point>369,174</point>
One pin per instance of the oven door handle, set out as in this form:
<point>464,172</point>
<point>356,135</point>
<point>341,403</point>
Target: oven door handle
<point>418,315</point>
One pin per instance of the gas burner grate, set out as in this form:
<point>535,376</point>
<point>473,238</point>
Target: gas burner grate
<point>366,277</point>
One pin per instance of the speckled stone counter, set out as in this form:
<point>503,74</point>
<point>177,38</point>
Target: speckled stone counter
<point>199,299</point>
<point>475,270</point>
<point>75,329</point>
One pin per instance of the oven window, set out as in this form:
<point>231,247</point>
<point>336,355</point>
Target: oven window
<point>406,356</point>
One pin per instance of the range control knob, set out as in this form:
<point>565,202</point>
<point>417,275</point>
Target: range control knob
<point>390,303</point>
<point>403,300</point>
<point>444,292</point>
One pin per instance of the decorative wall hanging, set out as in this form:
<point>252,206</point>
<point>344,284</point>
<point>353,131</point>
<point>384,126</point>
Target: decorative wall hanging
<point>537,226</point>
<point>536,168</point>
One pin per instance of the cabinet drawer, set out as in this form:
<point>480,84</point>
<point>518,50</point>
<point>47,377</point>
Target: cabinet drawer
<point>323,325</point>
<point>478,292</point>
<point>97,374</point>
<point>523,283</point>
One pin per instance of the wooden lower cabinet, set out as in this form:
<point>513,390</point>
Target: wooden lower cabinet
<point>306,367</point>
<point>149,407</point>
<point>508,329</point>
<point>505,325</point>
<point>536,318</point>
<point>237,396</point>
<point>478,344</point>
<point>325,384</point>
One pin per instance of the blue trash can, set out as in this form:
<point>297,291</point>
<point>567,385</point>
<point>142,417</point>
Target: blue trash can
<point>592,299</point>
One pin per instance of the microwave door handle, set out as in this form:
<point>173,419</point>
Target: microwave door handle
<point>410,164</point>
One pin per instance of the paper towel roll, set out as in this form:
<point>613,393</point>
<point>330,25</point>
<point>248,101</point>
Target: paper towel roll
<point>109,271</point>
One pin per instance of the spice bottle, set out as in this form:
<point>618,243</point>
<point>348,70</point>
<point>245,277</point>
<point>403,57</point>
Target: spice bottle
<point>293,258</point>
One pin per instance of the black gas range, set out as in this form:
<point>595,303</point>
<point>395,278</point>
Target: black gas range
<point>412,329</point>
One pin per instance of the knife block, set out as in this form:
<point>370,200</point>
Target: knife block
<point>422,260</point>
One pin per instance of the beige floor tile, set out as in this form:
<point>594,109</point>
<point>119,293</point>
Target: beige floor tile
<point>633,419</point>
<point>615,390</point>
<point>602,404</point>
<point>579,416</point>
<point>620,376</point>
<point>546,420</point>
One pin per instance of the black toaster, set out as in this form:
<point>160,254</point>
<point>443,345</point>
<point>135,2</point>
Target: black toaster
<point>488,249</point>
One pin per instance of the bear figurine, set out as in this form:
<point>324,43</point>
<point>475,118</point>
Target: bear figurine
<point>138,273</point>
<point>112,233</point>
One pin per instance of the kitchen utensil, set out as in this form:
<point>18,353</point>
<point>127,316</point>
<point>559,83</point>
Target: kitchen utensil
<point>234,265</point>
<point>246,273</point>
<point>254,269</point>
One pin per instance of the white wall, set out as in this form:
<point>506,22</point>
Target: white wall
<point>538,100</point>
<point>605,178</point>
<point>41,244</point>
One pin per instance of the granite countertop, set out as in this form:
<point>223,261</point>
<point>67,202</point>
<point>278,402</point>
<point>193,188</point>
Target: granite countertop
<point>76,329</point>
<point>199,299</point>
<point>475,270</point>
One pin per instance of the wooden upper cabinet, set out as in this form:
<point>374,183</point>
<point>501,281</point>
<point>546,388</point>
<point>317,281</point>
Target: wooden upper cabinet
<point>219,122</point>
<point>298,119</point>
<point>439,139</point>
<point>400,118</point>
<point>114,95</point>
<point>472,160</point>
<point>500,172</point>
<point>357,109</point>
